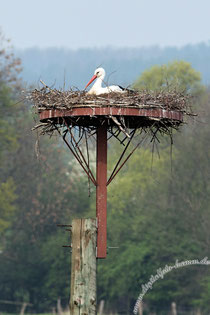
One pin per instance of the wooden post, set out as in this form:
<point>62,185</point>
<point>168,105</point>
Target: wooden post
<point>140,310</point>
<point>59,307</point>
<point>83,270</point>
<point>23,308</point>
<point>173,308</point>
<point>101,307</point>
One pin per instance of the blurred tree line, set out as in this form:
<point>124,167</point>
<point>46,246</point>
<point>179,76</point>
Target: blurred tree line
<point>155,215</point>
<point>122,65</point>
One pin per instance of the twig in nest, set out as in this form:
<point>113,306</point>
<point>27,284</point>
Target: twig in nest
<point>119,125</point>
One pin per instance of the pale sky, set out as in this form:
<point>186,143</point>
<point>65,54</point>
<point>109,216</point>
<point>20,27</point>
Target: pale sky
<point>96,23</point>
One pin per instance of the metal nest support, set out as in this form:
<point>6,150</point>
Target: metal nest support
<point>77,137</point>
<point>130,117</point>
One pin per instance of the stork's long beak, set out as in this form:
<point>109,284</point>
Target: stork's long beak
<point>91,80</point>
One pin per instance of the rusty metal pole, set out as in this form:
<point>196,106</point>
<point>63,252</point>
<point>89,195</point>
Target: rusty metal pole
<point>101,191</point>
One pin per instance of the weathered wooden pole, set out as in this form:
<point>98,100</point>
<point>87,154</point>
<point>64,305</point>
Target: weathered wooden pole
<point>173,308</point>
<point>83,270</point>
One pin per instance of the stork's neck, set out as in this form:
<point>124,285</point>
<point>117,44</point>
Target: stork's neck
<point>97,86</point>
<point>98,83</point>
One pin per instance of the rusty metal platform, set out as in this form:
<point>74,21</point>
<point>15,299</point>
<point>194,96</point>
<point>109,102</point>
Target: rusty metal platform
<point>92,116</point>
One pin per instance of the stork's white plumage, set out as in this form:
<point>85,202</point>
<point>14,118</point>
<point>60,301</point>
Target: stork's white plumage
<point>97,88</point>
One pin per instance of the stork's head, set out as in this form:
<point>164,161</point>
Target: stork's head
<point>99,73</point>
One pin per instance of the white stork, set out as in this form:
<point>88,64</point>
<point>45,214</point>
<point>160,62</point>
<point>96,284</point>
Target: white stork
<point>97,88</point>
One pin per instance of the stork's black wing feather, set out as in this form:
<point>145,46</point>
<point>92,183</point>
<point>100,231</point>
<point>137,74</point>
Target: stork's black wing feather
<point>127,90</point>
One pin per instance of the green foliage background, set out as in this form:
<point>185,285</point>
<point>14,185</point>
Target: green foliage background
<point>155,215</point>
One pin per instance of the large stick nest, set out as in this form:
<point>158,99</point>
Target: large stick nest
<point>48,99</point>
